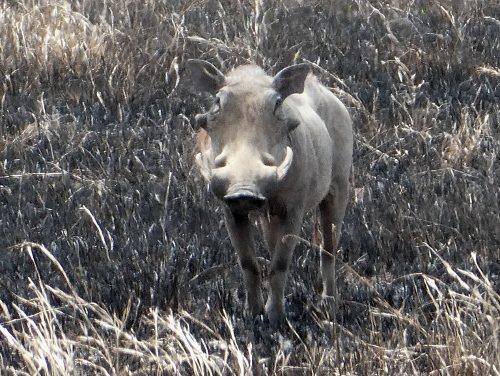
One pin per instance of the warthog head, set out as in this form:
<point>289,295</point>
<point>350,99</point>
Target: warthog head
<point>244,154</point>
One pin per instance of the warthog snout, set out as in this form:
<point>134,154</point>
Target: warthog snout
<point>243,202</point>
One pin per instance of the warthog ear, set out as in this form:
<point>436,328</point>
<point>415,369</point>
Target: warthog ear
<point>202,76</point>
<point>291,80</point>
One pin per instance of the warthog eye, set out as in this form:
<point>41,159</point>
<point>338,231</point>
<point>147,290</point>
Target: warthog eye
<point>277,104</point>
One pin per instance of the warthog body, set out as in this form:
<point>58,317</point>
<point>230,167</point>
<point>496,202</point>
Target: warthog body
<point>278,147</point>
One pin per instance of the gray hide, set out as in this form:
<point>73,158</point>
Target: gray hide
<point>279,147</point>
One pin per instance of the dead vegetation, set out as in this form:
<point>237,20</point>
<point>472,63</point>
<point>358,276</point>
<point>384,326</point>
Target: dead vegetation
<point>114,261</point>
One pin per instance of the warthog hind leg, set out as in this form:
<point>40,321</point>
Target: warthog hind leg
<point>332,210</point>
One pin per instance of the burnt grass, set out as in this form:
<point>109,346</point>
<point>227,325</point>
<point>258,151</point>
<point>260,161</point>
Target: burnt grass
<point>97,163</point>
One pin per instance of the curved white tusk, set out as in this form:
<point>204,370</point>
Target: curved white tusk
<point>285,165</point>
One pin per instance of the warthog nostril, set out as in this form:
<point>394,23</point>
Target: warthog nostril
<point>243,202</point>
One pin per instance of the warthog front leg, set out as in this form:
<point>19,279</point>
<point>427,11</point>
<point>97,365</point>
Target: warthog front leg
<point>281,239</point>
<point>240,233</point>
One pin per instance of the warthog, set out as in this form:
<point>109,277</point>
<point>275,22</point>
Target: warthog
<point>279,147</point>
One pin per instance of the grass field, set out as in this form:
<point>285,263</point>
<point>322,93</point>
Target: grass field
<point>114,257</point>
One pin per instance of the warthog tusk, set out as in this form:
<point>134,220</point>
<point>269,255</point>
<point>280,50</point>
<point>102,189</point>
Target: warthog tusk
<point>285,165</point>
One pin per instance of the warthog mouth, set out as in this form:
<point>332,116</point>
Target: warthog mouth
<point>244,202</point>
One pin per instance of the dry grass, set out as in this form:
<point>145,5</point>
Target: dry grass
<point>461,338</point>
<point>114,262</point>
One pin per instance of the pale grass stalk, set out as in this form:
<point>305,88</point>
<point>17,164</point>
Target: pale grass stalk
<point>15,342</point>
<point>42,344</point>
<point>244,366</point>
<point>99,230</point>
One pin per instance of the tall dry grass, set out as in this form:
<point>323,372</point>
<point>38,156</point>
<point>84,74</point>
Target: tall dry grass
<point>114,258</point>
<point>36,339</point>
